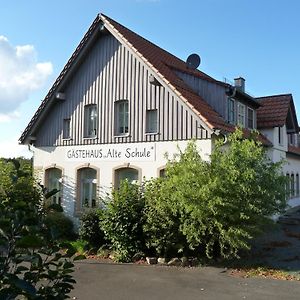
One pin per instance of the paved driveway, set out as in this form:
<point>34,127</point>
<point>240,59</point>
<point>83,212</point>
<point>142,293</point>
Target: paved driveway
<point>96,280</point>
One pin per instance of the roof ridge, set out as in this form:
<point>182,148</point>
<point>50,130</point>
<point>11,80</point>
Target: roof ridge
<point>199,72</point>
<point>274,96</point>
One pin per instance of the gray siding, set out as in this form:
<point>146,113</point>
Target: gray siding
<point>111,72</point>
<point>213,94</point>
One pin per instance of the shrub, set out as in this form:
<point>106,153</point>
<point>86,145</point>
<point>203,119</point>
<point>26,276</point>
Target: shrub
<point>214,208</point>
<point>123,220</point>
<point>31,264</point>
<point>59,225</point>
<point>90,230</point>
<point>55,207</point>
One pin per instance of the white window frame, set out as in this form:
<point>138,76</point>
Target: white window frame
<point>91,183</point>
<point>231,110</point>
<point>90,121</point>
<point>121,129</point>
<point>151,124</point>
<point>117,179</point>
<point>67,129</point>
<point>280,135</point>
<point>53,180</point>
<point>241,114</point>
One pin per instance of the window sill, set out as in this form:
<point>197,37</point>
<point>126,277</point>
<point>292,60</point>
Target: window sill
<point>152,133</point>
<point>122,135</point>
<point>90,138</point>
<point>67,139</point>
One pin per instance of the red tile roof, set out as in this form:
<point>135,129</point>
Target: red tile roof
<point>294,150</point>
<point>161,61</point>
<point>273,111</point>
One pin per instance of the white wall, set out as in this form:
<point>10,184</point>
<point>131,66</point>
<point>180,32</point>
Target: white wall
<point>59,157</point>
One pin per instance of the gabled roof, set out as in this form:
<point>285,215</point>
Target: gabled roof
<point>160,61</point>
<point>275,110</point>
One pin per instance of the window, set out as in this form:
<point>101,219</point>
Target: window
<point>67,129</point>
<point>162,173</point>
<point>288,183</point>
<point>241,114</point>
<point>151,121</point>
<point>53,180</point>
<point>291,138</point>
<point>292,185</point>
<point>231,115</point>
<point>297,185</point>
<point>130,174</point>
<point>87,187</point>
<point>280,135</point>
<point>250,118</point>
<point>121,117</point>
<point>90,121</point>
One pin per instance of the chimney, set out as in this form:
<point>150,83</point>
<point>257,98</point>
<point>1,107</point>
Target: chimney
<point>240,84</point>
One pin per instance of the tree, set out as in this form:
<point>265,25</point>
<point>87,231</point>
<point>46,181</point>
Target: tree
<point>31,265</point>
<point>122,221</point>
<point>214,207</point>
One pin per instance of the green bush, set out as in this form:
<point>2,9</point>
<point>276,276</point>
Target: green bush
<point>123,221</point>
<point>90,230</point>
<point>55,207</point>
<point>32,265</point>
<point>59,225</point>
<point>213,208</point>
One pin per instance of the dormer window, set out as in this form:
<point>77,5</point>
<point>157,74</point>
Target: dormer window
<point>241,114</point>
<point>250,119</point>
<point>231,112</point>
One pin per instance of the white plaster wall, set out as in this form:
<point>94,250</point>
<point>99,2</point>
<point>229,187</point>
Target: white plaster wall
<point>46,157</point>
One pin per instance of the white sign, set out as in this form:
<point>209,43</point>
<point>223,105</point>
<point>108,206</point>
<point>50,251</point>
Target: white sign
<point>120,152</point>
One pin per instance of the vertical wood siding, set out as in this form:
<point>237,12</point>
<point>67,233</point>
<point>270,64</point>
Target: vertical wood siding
<point>110,72</point>
<point>213,93</point>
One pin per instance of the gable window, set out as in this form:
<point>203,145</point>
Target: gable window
<point>250,118</point>
<point>90,121</point>
<point>87,187</point>
<point>231,114</point>
<point>121,117</point>
<point>129,174</point>
<point>151,121</point>
<point>53,180</point>
<point>280,135</point>
<point>241,114</point>
<point>67,129</point>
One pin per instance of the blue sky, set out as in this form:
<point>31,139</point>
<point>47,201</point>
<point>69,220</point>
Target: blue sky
<point>259,40</point>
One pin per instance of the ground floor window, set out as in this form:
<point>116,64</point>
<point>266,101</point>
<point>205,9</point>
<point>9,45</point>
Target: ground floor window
<point>87,187</point>
<point>130,174</point>
<point>53,180</point>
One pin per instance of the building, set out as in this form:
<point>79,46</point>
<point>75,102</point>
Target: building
<point>121,103</point>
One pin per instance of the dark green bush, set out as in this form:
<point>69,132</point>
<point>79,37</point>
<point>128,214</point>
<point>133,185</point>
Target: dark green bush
<point>90,230</point>
<point>123,221</point>
<point>59,225</point>
<point>55,207</point>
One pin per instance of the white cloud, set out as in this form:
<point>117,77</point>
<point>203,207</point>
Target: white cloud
<point>10,148</point>
<point>5,118</point>
<point>20,74</point>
